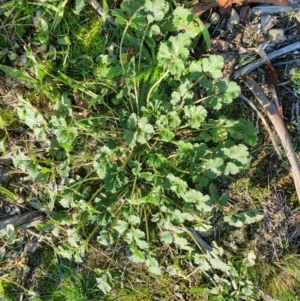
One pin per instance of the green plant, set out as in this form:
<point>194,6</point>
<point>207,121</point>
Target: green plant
<point>278,279</point>
<point>141,163</point>
<point>296,76</point>
<point>79,288</point>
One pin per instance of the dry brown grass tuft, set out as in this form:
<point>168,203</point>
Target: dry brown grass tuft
<point>280,229</point>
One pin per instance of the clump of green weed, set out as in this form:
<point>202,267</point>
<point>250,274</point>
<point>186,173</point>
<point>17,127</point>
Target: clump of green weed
<point>146,153</point>
<point>296,77</point>
<point>7,117</point>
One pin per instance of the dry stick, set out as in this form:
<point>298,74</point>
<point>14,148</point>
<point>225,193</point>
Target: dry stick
<point>259,114</point>
<point>261,61</point>
<point>23,221</point>
<point>280,128</point>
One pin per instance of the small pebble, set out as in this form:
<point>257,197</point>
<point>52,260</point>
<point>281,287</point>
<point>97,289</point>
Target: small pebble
<point>276,35</point>
<point>214,18</point>
<point>22,59</point>
<point>234,17</point>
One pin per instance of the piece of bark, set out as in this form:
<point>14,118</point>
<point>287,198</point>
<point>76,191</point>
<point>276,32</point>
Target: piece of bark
<point>245,14</point>
<point>234,17</point>
<point>267,22</point>
<point>23,221</point>
<point>271,77</point>
<point>278,123</point>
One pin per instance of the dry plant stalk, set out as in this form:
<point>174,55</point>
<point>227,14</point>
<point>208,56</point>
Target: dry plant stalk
<point>271,56</point>
<point>278,123</point>
<point>262,118</point>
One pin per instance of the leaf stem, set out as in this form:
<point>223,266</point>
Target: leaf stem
<point>156,84</point>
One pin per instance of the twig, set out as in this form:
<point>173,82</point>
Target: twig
<point>280,128</point>
<point>286,62</point>
<point>295,114</point>
<point>259,114</point>
<point>261,61</point>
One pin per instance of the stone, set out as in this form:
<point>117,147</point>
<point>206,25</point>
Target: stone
<point>277,36</point>
<point>214,18</point>
<point>234,17</point>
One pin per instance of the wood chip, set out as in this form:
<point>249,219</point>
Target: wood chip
<point>24,220</point>
<point>220,44</point>
<point>234,17</point>
<point>245,14</point>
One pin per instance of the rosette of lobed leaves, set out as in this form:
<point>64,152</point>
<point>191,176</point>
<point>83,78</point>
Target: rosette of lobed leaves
<point>170,145</point>
<point>158,145</point>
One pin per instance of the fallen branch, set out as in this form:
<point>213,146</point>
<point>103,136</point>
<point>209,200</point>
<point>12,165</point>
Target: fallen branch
<point>278,123</point>
<point>271,56</point>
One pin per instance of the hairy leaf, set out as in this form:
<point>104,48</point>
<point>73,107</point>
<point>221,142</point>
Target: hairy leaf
<point>195,115</point>
<point>166,237</point>
<point>244,217</point>
<point>183,20</point>
<point>155,10</point>
<point>103,283</point>
<point>103,160</point>
<point>174,52</point>
<point>213,65</point>
<point>176,184</point>
<point>218,264</point>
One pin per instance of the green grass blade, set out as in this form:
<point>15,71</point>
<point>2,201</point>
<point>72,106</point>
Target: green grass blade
<point>8,193</point>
